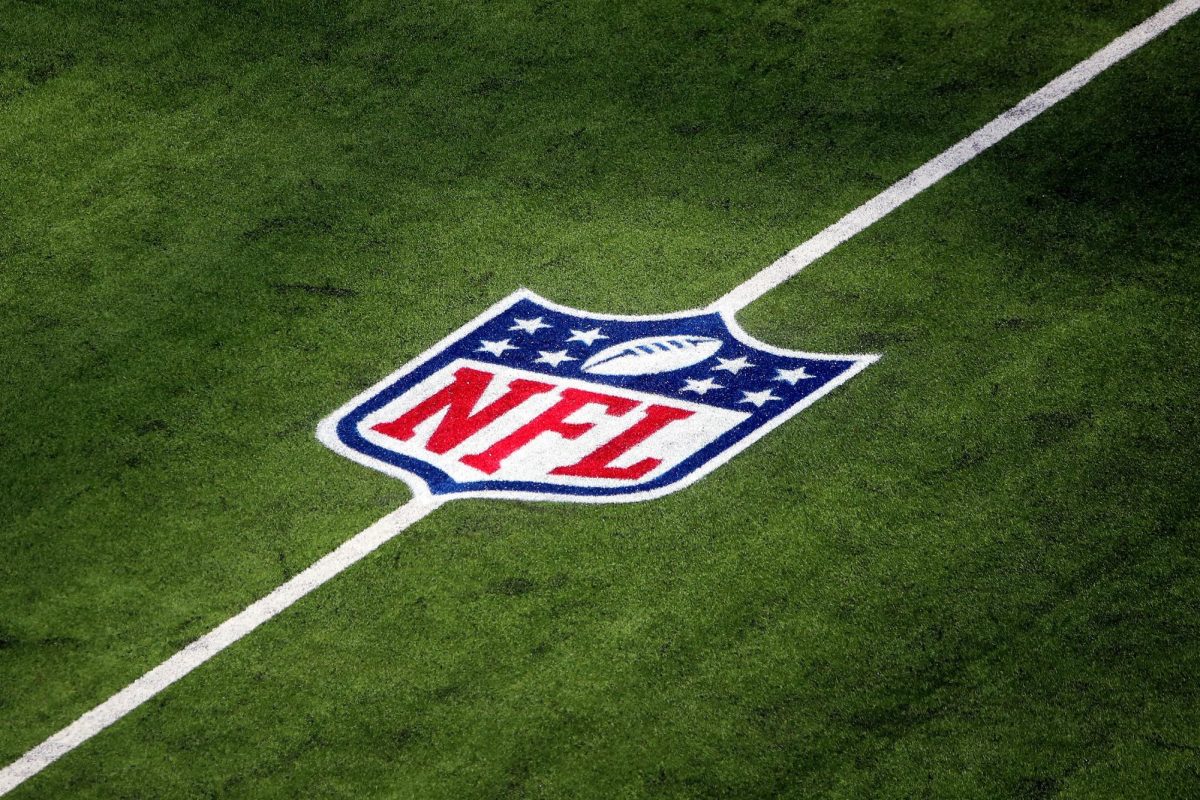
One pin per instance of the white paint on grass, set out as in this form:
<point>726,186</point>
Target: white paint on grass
<point>542,452</point>
<point>946,162</point>
<point>213,642</point>
<point>355,549</point>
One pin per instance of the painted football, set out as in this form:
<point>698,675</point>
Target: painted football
<point>652,354</point>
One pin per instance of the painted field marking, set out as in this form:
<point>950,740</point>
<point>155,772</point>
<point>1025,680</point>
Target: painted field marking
<point>422,503</point>
<point>951,159</point>
<point>168,672</point>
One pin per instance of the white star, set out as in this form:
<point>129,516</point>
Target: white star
<point>758,398</point>
<point>495,348</point>
<point>734,365</point>
<point>553,359</point>
<point>791,375</point>
<point>587,337</point>
<point>529,325</point>
<point>700,387</point>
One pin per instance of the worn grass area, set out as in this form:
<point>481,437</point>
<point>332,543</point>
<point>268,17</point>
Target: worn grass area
<point>972,572</point>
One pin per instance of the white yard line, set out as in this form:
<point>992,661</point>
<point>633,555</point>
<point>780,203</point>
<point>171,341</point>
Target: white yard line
<point>946,162</point>
<point>213,642</point>
<point>355,549</point>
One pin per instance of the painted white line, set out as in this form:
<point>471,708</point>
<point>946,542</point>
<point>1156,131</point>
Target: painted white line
<point>943,164</point>
<point>422,504</point>
<point>213,642</point>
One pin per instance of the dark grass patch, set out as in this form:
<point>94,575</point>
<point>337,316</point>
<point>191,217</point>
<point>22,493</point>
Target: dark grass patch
<point>324,290</point>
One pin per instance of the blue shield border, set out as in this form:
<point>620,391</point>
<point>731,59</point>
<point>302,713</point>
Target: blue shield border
<point>338,431</point>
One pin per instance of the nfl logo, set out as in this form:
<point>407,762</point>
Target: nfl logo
<point>532,400</point>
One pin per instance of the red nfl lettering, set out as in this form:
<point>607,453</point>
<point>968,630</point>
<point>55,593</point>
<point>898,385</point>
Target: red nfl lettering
<point>552,420</point>
<point>459,399</point>
<point>596,464</point>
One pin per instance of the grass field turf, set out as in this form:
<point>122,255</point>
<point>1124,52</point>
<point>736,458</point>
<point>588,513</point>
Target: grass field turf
<point>970,572</point>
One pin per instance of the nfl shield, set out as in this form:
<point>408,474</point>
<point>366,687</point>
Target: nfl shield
<point>533,400</point>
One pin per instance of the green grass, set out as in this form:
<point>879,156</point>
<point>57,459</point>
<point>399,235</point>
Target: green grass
<point>971,572</point>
